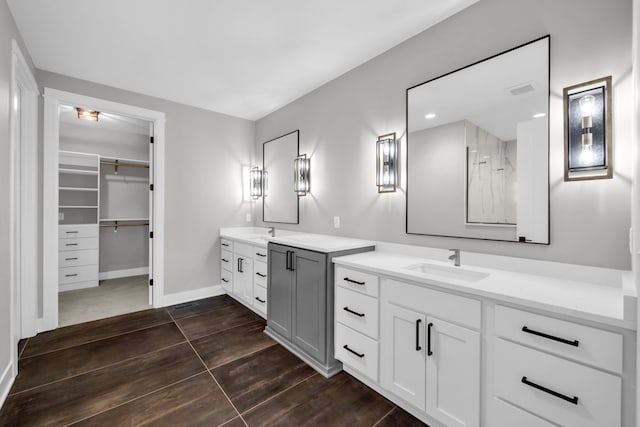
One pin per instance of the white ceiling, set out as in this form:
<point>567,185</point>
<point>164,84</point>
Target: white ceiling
<point>245,58</point>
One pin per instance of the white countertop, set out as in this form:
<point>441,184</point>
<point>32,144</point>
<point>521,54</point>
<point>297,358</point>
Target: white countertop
<point>252,235</point>
<point>588,301</point>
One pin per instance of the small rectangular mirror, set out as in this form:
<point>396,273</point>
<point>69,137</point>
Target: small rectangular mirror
<point>279,200</point>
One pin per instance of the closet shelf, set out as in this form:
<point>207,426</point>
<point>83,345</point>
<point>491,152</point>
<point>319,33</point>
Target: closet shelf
<point>77,207</point>
<point>122,219</point>
<point>78,171</point>
<point>77,189</point>
<point>121,160</point>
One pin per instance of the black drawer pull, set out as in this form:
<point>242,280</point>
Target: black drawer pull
<point>225,244</point>
<point>262,255</point>
<point>71,275</point>
<point>225,280</point>
<point>225,260</point>
<point>71,259</point>
<point>240,267</point>
<point>353,281</point>
<point>573,399</point>
<point>71,232</point>
<point>260,300</point>
<point>71,244</point>
<point>261,275</point>
<point>346,347</point>
<point>429,326</point>
<point>353,312</point>
<point>574,343</point>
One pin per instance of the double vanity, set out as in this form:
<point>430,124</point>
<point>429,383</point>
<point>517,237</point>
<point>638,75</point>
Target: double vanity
<point>495,342</point>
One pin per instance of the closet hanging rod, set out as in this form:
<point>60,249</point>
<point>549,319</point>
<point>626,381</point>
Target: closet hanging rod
<point>117,163</point>
<point>124,225</point>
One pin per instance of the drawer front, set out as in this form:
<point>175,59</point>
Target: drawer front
<point>226,278</point>
<point>582,343</point>
<point>260,299</point>
<point>77,243</point>
<point>243,249</point>
<point>226,260</point>
<point>358,281</point>
<point>505,415</point>
<point>77,258</point>
<point>260,273</point>
<point>226,244</point>
<point>356,351</point>
<point>77,274</point>
<point>260,253</point>
<point>358,311</point>
<point>520,372</point>
<point>69,231</point>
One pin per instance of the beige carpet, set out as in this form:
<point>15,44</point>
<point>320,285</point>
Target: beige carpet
<point>113,297</point>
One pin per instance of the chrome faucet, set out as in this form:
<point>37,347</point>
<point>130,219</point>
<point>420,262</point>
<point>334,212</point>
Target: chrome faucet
<point>455,257</point>
<point>271,231</point>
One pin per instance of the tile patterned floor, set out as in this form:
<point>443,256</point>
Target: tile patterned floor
<point>205,363</point>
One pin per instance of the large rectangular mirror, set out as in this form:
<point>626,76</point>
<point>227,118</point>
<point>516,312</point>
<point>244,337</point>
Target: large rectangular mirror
<point>279,201</point>
<point>478,149</point>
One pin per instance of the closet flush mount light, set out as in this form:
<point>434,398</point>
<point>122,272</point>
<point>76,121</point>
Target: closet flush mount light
<point>301,166</point>
<point>539,115</point>
<point>255,177</point>
<point>386,163</point>
<point>430,116</point>
<point>87,114</point>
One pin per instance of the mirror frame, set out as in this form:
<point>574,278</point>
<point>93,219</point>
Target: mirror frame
<point>406,161</point>
<point>297,132</point>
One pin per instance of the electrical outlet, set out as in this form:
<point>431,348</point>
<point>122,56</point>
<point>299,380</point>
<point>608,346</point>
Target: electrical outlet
<point>336,222</point>
<point>60,216</point>
<point>248,217</point>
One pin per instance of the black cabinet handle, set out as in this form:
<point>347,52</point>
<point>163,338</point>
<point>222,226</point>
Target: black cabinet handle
<point>225,280</point>
<point>71,232</point>
<point>71,244</point>
<point>260,300</point>
<point>291,253</point>
<point>71,275</point>
<point>262,255</point>
<point>573,399</point>
<point>225,260</point>
<point>261,275</point>
<point>353,281</point>
<point>225,244</point>
<point>240,270</point>
<point>286,260</point>
<point>346,347</point>
<point>71,259</point>
<point>418,347</point>
<point>353,312</point>
<point>574,343</point>
<point>429,326</point>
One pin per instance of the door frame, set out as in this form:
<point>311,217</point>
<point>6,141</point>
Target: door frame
<point>53,98</point>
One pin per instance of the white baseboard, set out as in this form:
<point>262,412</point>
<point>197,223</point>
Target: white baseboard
<point>6,381</point>
<point>196,294</point>
<point>116,274</point>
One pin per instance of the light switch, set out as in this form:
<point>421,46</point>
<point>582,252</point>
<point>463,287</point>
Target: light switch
<point>336,222</point>
<point>248,217</point>
<point>60,216</point>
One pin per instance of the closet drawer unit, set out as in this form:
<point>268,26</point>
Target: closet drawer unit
<point>506,415</point>
<point>564,392</point>
<point>226,244</point>
<point>357,281</point>
<point>78,243</point>
<point>243,249</point>
<point>260,253</point>
<point>226,277</point>
<point>356,351</point>
<point>77,258</point>
<point>260,273</point>
<point>358,311</point>
<point>260,299</point>
<point>226,259</point>
<point>70,231</point>
<point>77,274</point>
<point>582,343</point>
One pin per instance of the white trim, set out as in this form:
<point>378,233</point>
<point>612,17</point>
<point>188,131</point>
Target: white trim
<point>6,381</point>
<point>193,295</point>
<point>116,274</point>
<point>52,100</point>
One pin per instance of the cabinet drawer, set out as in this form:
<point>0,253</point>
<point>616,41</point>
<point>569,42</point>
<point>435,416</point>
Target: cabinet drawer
<point>357,281</point>
<point>68,231</point>
<point>78,243</point>
<point>521,372</point>
<point>260,273</point>
<point>226,260</point>
<point>356,351</point>
<point>260,299</point>
<point>243,249</point>
<point>506,415</point>
<point>77,274</point>
<point>582,343</point>
<point>358,311</point>
<point>260,253</point>
<point>226,278</point>
<point>77,258</point>
<point>226,244</point>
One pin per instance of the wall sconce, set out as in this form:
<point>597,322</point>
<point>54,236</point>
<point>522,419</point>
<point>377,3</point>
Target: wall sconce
<point>301,166</point>
<point>386,163</point>
<point>588,145</point>
<point>87,114</point>
<point>255,180</point>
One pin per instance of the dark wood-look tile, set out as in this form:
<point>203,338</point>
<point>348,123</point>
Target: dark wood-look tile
<point>236,422</point>
<point>45,368</point>
<point>400,418</point>
<point>231,344</point>
<point>70,336</point>
<point>259,376</point>
<point>197,401</point>
<point>223,318</point>
<point>201,306</point>
<point>76,398</point>
<point>21,346</point>
<point>338,401</point>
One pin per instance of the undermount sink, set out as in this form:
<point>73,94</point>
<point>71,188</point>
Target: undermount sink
<point>456,273</point>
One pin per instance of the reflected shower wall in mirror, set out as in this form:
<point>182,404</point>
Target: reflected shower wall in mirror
<point>279,200</point>
<point>478,148</point>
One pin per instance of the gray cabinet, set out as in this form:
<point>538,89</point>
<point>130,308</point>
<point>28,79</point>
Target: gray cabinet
<point>280,291</point>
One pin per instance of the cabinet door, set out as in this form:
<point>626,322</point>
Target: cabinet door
<point>453,373</point>
<point>403,352</point>
<point>309,302</point>
<point>243,277</point>
<point>279,291</point>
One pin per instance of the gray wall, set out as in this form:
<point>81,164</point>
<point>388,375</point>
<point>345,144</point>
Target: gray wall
<point>205,152</point>
<point>340,122</point>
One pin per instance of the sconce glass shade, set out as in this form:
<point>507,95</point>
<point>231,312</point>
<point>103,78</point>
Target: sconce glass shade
<point>301,167</point>
<point>87,114</point>
<point>386,163</point>
<point>255,178</point>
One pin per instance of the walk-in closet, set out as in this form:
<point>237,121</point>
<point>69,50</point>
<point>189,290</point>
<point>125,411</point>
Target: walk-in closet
<point>104,214</point>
